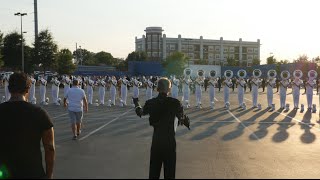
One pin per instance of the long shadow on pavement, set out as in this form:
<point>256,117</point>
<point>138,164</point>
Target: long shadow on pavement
<point>307,137</point>
<point>284,125</point>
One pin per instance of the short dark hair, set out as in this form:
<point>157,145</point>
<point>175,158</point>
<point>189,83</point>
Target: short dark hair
<point>75,82</point>
<point>164,85</point>
<point>19,83</point>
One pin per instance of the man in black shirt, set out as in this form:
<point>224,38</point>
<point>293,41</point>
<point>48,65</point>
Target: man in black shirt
<point>22,127</point>
<point>163,110</point>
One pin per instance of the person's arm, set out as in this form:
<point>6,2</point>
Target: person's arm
<point>49,148</point>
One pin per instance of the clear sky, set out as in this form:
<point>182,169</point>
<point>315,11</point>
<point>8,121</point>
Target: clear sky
<point>287,28</point>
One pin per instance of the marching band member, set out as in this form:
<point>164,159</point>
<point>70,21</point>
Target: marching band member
<point>55,91</point>
<point>43,89</point>
<point>113,90</point>
<point>124,91</point>
<point>90,85</point>
<point>32,97</point>
<point>271,83</point>
<point>149,88</point>
<point>284,83</point>
<point>66,85</point>
<point>102,90</point>
<point>296,85</point>
<point>212,83</point>
<point>226,89</point>
<point>6,90</point>
<point>175,87</point>
<point>255,84</point>
<point>199,82</point>
<point>311,83</point>
<point>186,87</point>
<point>241,83</point>
<point>136,85</point>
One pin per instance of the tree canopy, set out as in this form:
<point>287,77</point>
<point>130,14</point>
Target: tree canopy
<point>175,64</point>
<point>137,56</point>
<point>64,59</point>
<point>12,51</point>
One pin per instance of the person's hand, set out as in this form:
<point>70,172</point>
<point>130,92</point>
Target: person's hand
<point>86,110</point>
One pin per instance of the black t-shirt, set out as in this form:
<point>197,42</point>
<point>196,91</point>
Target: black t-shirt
<point>21,127</point>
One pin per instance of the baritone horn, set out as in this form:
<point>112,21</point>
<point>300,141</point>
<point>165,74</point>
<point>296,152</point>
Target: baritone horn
<point>242,73</point>
<point>285,75</point>
<point>297,74</point>
<point>272,73</point>
<point>257,73</point>
<point>228,74</point>
<point>187,72</point>
<point>312,74</point>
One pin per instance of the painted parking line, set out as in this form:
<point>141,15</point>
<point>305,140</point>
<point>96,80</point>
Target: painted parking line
<point>101,127</point>
<point>60,116</point>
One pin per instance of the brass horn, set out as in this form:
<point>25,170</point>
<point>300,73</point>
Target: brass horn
<point>200,73</point>
<point>257,73</point>
<point>187,72</point>
<point>297,74</point>
<point>242,73</point>
<point>272,73</point>
<point>285,75</point>
<point>228,74</point>
<point>213,73</point>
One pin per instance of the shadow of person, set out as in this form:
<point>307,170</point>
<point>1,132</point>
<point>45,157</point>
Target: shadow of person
<point>307,137</point>
<point>241,127</point>
<point>284,125</point>
<point>263,126</point>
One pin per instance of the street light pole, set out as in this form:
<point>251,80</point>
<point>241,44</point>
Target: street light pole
<point>22,47</point>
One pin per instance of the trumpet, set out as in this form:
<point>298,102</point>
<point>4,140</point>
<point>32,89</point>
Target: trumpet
<point>200,73</point>
<point>285,75</point>
<point>242,73</point>
<point>228,74</point>
<point>257,73</point>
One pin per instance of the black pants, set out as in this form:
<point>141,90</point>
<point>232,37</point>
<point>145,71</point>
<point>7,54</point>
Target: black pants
<point>168,159</point>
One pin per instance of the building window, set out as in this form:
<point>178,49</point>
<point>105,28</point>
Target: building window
<point>231,49</point>
<point>217,56</point>
<point>250,57</point>
<point>172,47</point>
<point>250,50</point>
<point>225,49</point>
<point>210,48</point>
<point>149,46</point>
<point>210,56</point>
<point>217,48</point>
<point>256,50</point>
<point>256,57</point>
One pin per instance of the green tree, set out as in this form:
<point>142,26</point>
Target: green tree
<point>256,61</point>
<point>271,60</point>
<point>64,59</point>
<point>302,58</point>
<point>201,62</point>
<point>175,64</point>
<point>105,58</point>
<point>12,51</point>
<point>86,56</point>
<point>30,66</point>
<point>137,56</point>
<point>46,50</point>
<point>232,62</point>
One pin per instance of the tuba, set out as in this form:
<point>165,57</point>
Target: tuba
<point>285,75</point>
<point>312,74</point>
<point>187,72</point>
<point>272,73</point>
<point>228,74</point>
<point>242,73</point>
<point>297,74</point>
<point>200,73</point>
<point>213,74</point>
<point>257,73</point>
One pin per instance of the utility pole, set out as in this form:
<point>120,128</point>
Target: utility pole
<point>36,20</point>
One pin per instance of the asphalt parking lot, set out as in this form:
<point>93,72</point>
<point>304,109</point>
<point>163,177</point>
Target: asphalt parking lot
<point>234,143</point>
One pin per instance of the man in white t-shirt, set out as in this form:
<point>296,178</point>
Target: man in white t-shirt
<point>76,101</point>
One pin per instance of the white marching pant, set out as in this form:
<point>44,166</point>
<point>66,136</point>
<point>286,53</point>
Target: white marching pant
<point>270,96</point>
<point>283,96</point>
<point>255,95</point>
<point>226,92</point>
<point>32,93</point>
<point>149,93</point>
<point>240,95</point>
<point>296,96</point>
<point>7,93</point>
<point>113,93</point>
<point>102,92</point>
<point>175,92</point>
<point>124,92</point>
<point>309,94</point>
<point>43,94</point>
<point>198,95</point>
<point>135,92</point>
<point>90,94</point>
<point>55,94</point>
<point>186,94</point>
<point>211,93</point>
